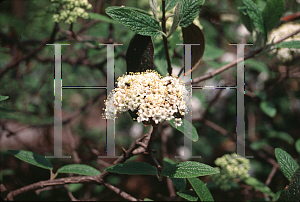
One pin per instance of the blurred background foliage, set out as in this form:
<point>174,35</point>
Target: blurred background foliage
<point>28,122</point>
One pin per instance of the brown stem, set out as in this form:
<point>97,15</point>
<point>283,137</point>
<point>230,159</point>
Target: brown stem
<point>165,40</point>
<point>120,192</point>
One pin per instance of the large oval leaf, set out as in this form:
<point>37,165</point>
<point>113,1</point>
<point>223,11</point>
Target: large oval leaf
<point>32,158</point>
<point>287,164</point>
<point>103,18</point>
<point>79,169</point>
<point>201,189</point>
<point>188,169</point>
<point>133,168</point>
<point>194,35</point>
<point>191,130</point>
<point>140,54</point>
<point>138,22</point>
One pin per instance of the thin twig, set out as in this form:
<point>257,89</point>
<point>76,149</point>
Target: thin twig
<point>120,192</point>
<point>250,55</point>
<point>271,175</point>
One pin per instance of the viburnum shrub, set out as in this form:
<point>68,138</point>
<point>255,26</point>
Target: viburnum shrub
<point>154,98</point>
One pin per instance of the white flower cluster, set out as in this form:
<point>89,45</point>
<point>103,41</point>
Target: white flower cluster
<point>69,10</point>
<point>232,168</point>
<point>286,54</point>
<point>154,98</point>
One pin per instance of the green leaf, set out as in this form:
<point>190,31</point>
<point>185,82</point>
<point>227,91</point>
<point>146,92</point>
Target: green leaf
<point>138,22</point>
<point>188,169</point>
<point>189,10</point>
<point>297,145</point>
<point>147,199</point>
<point>191,130</point>
<point>79,169</point>
<point>133,168</point>
<point>170,4</point>
<point>179,183</point>
<point>32,158</point>
<point>281,135</point>
<point>103,18</point>
<point>201,189</point>
<point>188,195</point>
<point>268,108</point>
<point>3,97</point>
<point>288,44</point>
<point>287,164</point>
<point>255,183</point>
<point>256,15</point>
<point>272,14</point>
<point>292,193</point>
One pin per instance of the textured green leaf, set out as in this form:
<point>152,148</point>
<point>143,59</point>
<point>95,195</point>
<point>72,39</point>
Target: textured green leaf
<point>268,108</point>
<point>191,130</point>
<point>179,183</point>
<point>188,195</point>
<point>281,135</point>
<point>272,14</point>
<point>79,169</point>
<point>103,18</point>
<point>292,193</point>
<point>170,4</point>
<point>133,168</point>
<point>189,10</point>
<point>255,183</point>
<point>3,97</point>
<point>297,145</point>
<point>32,158</point>
<point>188,169</point>
<point>287,164</point>
<point>288,44</point>
<point>201,189</point>
<point>256,15</point>
<point>138,22</point>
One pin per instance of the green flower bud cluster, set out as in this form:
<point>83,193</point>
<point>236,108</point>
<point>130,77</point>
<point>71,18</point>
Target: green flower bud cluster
<point>233,168</point>
<point>69,10</point>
